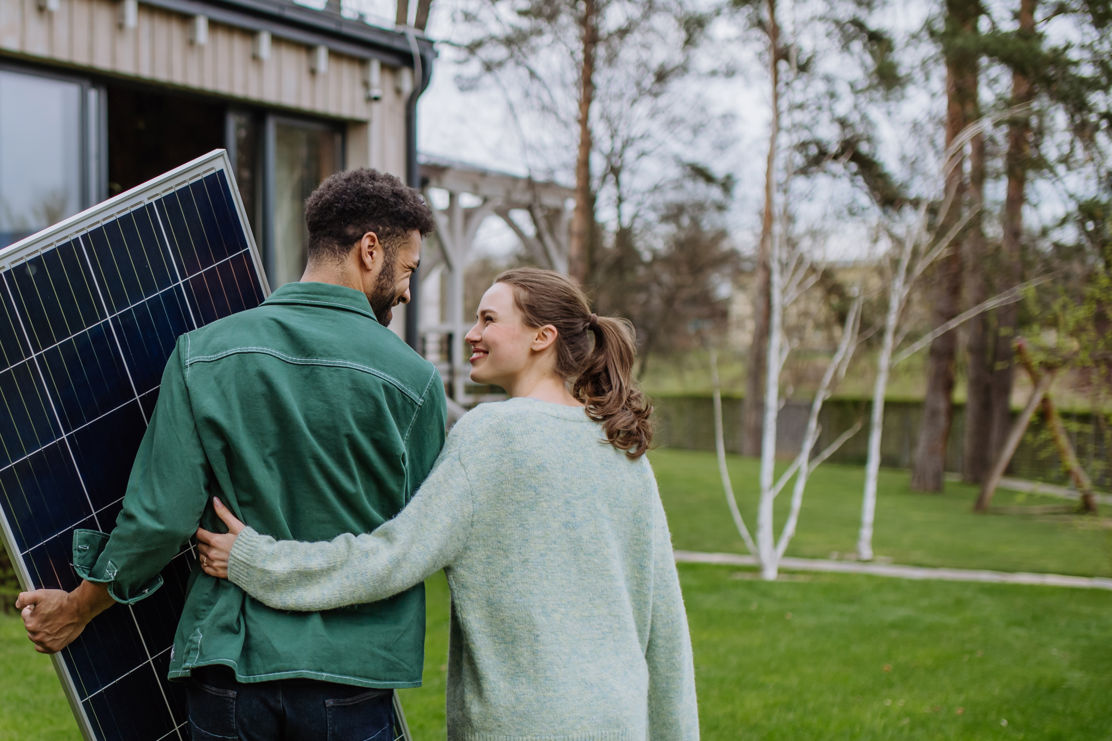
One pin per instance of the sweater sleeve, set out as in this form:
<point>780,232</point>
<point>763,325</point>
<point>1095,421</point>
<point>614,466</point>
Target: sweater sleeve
<point>351,569</point>
<point>673,713</point>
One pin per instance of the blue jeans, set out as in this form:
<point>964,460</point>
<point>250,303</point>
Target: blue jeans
<point>286,710</point>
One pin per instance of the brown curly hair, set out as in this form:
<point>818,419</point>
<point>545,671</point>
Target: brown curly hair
<point>347,205</point>
<point>594,353</point>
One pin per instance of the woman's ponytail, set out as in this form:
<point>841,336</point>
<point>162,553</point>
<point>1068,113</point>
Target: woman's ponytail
<point>596,354</point>
<point>606,387</point>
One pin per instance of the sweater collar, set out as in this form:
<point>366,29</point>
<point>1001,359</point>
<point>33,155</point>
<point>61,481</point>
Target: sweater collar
<point>551,409</point>
<point>323,294</point>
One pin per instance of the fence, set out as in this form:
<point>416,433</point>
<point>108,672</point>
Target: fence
<point>687,422</point>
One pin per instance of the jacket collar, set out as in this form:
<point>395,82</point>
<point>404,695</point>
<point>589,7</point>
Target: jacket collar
<point>322,294</point>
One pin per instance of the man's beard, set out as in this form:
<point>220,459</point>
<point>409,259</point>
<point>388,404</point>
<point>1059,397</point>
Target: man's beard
<point>384,298</point>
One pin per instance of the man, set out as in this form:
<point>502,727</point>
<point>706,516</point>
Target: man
<point>309,419</point>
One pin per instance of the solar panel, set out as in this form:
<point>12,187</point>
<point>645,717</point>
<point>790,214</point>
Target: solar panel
<point>89,311</point>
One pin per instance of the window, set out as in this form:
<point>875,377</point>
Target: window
<point>304,155</point>
<point>278,163</point>
<point>47,159</point>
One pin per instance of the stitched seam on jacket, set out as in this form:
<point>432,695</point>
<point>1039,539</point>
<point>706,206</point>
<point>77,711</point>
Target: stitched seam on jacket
<point>420,402</point>
<point>324,362</point>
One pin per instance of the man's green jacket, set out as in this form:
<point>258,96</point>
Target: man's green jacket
<point>308,419</point>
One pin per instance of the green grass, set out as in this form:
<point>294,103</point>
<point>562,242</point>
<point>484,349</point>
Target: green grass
<point>823,656</point>
<point>32,705</point>
<point>854,657</point>
<point>911,528</point>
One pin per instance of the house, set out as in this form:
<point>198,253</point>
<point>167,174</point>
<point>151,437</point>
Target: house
<point>97,96</point>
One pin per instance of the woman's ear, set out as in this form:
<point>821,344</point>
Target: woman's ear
<point>544,338</point>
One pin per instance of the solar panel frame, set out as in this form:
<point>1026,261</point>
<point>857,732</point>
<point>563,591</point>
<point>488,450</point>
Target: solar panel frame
<point>51,351</point>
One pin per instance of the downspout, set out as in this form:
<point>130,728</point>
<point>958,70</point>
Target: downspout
<point>422,74</point>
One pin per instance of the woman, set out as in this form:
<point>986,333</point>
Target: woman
<point>567,620</point>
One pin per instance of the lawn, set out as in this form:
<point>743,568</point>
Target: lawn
<point>854,657</point>
<point>1023,533</point>
<point>32,706</point>
<point>825,656</point>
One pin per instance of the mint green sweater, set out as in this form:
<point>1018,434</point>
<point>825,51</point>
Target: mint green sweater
<point>567,620</point>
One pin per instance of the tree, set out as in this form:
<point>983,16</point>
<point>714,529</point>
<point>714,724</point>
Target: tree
<point>676,271</point>
<point>825,101</point>
<point>792,274</point>
<point>975,288</point>
<point>753,415</point>
<point>918,249</point>
<point>1016,165</point>
<point>959,44</point>
<point>570,63</point>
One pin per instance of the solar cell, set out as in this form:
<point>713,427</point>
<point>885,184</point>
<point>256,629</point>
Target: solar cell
<point>89,311</point>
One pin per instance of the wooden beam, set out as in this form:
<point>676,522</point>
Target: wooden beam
<point>1066,452</point>
<point>1012,442</point>
<point>422,18</point>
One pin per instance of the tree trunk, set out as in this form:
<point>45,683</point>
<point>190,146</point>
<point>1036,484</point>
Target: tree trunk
<point>583,216</point>
<point>897,295</point>
<point>976,262</point>
<point>753,408</point>
<point>1010,271</point>
<point>934,432</point>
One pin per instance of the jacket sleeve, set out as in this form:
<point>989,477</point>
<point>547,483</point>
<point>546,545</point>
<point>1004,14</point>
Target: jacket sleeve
<point>351,569</point>
<point>166,494</point>
<point>673,712</point>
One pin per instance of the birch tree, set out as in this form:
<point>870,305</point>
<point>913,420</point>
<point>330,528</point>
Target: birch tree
<point>791,276</point>
<point>915,252</point>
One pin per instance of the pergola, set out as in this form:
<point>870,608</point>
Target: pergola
<point>538,213</point>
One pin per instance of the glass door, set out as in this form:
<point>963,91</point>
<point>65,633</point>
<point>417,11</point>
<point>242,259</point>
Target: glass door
<point>304,155</point>
<point>49,151</point>
<point>278,162</point>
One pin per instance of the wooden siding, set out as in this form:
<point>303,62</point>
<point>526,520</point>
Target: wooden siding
<point>85,35</point>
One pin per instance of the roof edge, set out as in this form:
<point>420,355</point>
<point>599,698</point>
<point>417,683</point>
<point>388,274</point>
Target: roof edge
<point>288,20</point>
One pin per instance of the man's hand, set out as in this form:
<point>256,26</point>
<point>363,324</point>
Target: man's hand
<point>54,618</point>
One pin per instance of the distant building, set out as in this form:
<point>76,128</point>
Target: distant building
<point>97,96</point>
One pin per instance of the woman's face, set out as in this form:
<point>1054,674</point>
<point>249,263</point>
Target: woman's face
<point>500,341</point>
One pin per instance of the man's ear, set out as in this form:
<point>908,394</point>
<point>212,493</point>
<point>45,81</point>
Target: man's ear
<point>544,338</point>
<point>370,251</point>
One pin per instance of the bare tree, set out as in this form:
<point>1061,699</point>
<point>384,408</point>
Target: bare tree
<point>792,276</point>
<point>571,62</point>
<point>915,252</point>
